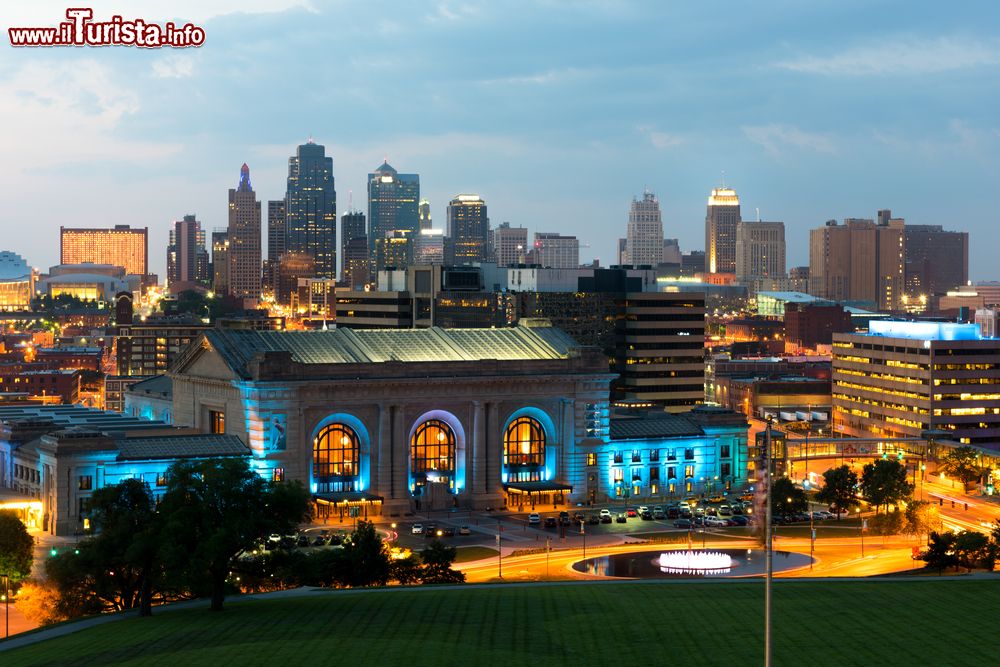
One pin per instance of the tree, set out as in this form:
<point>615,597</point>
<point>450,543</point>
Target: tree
<point>972,549</point>
<point>963,464</point>
<point>212,510</point>
<point>16,546</point>
<point>366,558</point>
<point>940,553</point>
<point>889,523</point>
<point>884,483</point>
<point>407,570</point>
<point>39,602</point>
<point>922,517</point>
<point>840,487</point>
<point>786,498</point>
<point>437,558</point>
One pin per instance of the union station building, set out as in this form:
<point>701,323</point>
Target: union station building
<point>392,421</point>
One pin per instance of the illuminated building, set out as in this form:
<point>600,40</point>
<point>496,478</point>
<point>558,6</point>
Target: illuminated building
<point>721,221</point>
<point>291,267</point>
<point>17,282</point>
<point>187,258</point>
<point>936,260</point>
<point>357,263</point>
<point>468,228</point>
<point>220,261</point>
<point>644,237</point>
<point>87,282</point>
<point>902,378</point>
<point>275,241</point>
<point>311,208</point>
<point>393,203</point>
<point>120,246</point>
<point>53,459</point>
<point>556,251</point>
<point>244,241</point>
<point>424,213</point>
<point>352,227</point>
<point>394,250</point>
<point>859,261</point>
<point>428,247</point>
<point>760,250</point>
<point>509,244</point>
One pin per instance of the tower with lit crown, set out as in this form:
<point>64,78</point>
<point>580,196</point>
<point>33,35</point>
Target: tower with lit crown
<point>644,238</point>
<point>244,240</point>
<point>393,201</point>
<point>721,220</point>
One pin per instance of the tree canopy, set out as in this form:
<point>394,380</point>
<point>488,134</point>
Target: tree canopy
<point>16,546</point>
<point>786,498</point>
<point>963,464</point>
<point>839,488</point>
<point>883,483</point>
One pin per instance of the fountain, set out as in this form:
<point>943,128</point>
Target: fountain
<point>695,562</point>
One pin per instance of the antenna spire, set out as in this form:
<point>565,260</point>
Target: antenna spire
<point>723,178</point>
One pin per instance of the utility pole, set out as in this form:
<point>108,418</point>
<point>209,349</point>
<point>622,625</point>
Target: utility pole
<point>769,570</point>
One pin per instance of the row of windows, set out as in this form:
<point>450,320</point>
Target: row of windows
<point>653,455</point>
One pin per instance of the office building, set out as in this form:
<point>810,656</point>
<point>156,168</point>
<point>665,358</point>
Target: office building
<point>17,282</point>
<point>509,244</point>
<point>244,241</point>
<point>424,214</point>
<point>988,320</point>
<point>311,208</point>
<point>352,226</point>
<point>428,247</point>
<point>809,326</point>
<point>671,252</point>
<point>936,260</point>
<point>902,378</point>
<point>394,251</point>
<point>644,239</point>
<point>393,203</point>
<point>556,251</point>
<point>292,267</point>
<point>859,261</point>
<point>468,228</point>
<point>357,264</point>
<point>119,246</point>
<point>760,250</point>
<point>187,258</point>
<point>721,220</point>
<point>220,261</point>
<point>275,230</point>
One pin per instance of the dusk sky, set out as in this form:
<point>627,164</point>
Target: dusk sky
<point>557,113</point>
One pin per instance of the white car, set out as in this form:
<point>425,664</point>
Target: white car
<point>534,518</point>
<point>715,522</point>
<point>605,513</point>
<point>418,529</point>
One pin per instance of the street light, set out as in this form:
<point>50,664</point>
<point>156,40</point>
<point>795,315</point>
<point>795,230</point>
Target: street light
<point>861,529</point>
<point>6,605</point>
<point>769,569</point>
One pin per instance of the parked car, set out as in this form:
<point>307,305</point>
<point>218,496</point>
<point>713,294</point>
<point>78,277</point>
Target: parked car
<point>336,539</point>
<point>605,512</point>
<point>658,513</point>
<point>417,529</point>
<point>593,519</point>
<point>534,518</point>
<point>673,512</point>
<point>642,508</point>
<point>682,523</point>
<point>606,518</point>
<point>621,518</point>
<point>646,515</point>
<point>715,522</point>
<point>302,541</point>
<point>738,520</point>
<point>725,510</point>
<point>551,522</point>
<point>631,512</point>
<point>446,532</point>
<point>464,530</point>
<point>319,541</point>
<point>564,518</point>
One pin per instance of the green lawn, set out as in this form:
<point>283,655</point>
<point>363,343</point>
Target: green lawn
<point>931,622</point>
<point>467,554</point>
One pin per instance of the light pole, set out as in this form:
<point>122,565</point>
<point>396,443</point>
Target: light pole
<point>769,569</point>
<point>499,552</point>
<point>548,548</point>
<point>6,605</point>
<point>861,530</point>
<point>583,531</point>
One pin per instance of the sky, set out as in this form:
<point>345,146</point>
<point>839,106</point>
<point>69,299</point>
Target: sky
<point>557,113</point>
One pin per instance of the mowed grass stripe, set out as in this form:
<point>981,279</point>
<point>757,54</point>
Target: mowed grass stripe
<point>822,622</point>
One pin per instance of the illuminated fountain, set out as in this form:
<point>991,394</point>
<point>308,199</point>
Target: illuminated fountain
<point>695,562</point>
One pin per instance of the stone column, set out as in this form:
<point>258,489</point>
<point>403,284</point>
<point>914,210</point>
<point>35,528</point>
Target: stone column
<point>477,462</point>
<point>382,448</point>
<point>491,469</point>
<point>400,455</point>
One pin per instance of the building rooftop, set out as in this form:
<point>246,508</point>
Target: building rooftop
<point>654,425</point>
<point>180,447</point>
<point>925,330</point>
<point>158,385</point>
<point>56,417</point>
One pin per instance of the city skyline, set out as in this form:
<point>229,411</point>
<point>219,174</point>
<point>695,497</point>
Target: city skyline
<point>104,122</point>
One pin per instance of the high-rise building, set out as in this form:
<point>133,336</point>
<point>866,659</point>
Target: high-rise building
<point>393,200</point>
<point>760,250</point>
<point>187,258</point>
<point>311,208</point>
<point>292,266</point>
<point>721,219</point>
<point>394,250</point>
<point>352,226</point>
<point>936,260</point>
<point>859,261</point>
<point>644,241</point>
<point>428,247</point>
<point>275,230</point>
<point>509,244</point>
<point>244,240</point>
<point>468,226</point>
<point>357,264</point>
<point>671,251</point>
<point>424,213</point>
<point>556,251</point>
<point>121,246</point>
<point>220,261</point>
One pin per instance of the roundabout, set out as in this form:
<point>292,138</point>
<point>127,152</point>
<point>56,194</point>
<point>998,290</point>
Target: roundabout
<point>680,563</point>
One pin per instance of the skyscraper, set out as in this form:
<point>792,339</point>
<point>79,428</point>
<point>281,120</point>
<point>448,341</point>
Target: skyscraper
<point>244,240</point>
<point>858,261</point>
<point>760,250</point>
<point>936,260</point>
<point>468,227</point>
<point>352,226</point>
<point>556,251</point>
<point>311,208</point>
<point>275,230</point>
<point>720,230</point>
<point>644,239</point>
<point>509,244</point>
<point>220,261</point>
<point>121,246</point>
<point>392,203</point>
<point>187,258</point>
<point>424,212</point>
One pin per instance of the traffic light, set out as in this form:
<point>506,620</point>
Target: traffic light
<point>53,552</point>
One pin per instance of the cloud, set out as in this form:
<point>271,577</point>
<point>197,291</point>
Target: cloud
<point>541,78</point>
<point>777,138</point>
<point>907,55</point>
<point>50,13</point>
<point>450,12</point>
<point>173,66</point>
<point>658,139</point>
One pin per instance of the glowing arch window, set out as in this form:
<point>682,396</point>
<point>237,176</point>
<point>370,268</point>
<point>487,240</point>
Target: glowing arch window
<point>524,443</point>
<point>432,448</point>
<point>336,459</point>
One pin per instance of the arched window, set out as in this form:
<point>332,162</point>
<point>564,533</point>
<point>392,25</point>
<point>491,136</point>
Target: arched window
<point>524,443</point>
<point>432,448</point>
<point>336,458</point>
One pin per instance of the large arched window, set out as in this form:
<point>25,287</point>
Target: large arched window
<point>432,449</point>
<point>524,443</point>
<point>336,458</point>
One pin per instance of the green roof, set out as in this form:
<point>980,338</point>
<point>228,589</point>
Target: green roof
<point>359,346</point>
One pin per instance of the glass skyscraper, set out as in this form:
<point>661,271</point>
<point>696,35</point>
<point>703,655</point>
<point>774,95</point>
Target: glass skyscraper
<point>392,203</point>
<point>311,208</point>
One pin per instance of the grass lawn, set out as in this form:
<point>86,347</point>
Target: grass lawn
<point>466,554</point>
<point>876,622</point>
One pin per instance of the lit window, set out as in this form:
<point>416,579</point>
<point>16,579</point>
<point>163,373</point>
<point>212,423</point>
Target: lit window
<point>86,483</point>
<point>592,459</point>
<point>432,448</point>
<point>524,443</point>
<point>336,455</point>
<point>217,421</point>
